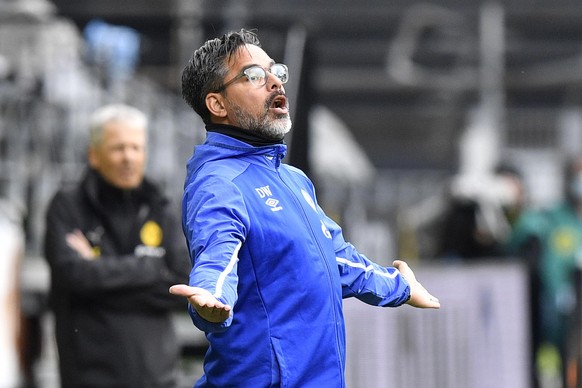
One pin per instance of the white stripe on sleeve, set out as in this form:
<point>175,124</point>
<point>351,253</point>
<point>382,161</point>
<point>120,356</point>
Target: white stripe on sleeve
<point>227,270</point>
<point>368,268</point>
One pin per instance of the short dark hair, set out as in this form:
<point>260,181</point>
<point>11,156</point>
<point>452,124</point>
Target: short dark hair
<point>208,66</point>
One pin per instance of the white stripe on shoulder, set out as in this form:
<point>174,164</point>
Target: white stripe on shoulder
<point>368,268</point>
<point>227,270</point>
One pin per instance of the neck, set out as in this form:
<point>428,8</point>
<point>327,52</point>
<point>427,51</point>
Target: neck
<point>242,134</point>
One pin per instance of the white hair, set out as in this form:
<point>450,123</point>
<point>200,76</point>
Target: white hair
<point>114,112</point>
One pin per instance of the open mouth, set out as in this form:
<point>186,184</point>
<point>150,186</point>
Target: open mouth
<point>279,102</point>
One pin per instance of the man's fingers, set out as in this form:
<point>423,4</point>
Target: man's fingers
<point>182,290</point>
<point>209,308</point>
<point>77,241</point>
<point>421,298</point>
<point>404,269</point>
<point>434,302</point>
<point>397,264</point>
<point>201,300</point>
<point>214,314</point>
<point>204,301</point>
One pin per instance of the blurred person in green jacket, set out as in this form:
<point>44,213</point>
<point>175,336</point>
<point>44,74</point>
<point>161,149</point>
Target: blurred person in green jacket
<point>549,240</point>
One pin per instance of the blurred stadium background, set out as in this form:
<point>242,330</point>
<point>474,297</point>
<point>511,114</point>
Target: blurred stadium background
<point>390,100</point>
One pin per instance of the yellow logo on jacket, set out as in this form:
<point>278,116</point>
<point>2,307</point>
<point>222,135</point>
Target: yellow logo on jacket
<point>151,234</point>
<point>96,251</point>
<point>564,241</point>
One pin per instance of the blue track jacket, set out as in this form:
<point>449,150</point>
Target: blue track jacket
<point>260,243</point>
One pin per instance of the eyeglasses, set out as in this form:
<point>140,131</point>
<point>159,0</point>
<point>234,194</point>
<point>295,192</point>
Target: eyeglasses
<point>258,76</point>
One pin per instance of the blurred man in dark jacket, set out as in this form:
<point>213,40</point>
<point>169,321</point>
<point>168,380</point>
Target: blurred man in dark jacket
<point>114,247</point>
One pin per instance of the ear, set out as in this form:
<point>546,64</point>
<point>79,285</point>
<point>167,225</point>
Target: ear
<point>215,104</point>
<point>92,157</point>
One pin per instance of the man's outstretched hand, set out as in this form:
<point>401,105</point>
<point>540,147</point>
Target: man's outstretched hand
<point>419,296</point>
<point>205,304</point>
<point>212,310</point>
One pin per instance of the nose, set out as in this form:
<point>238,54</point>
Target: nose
<point>273,82</point>
<point>129,154</point>
<point>126,152</point>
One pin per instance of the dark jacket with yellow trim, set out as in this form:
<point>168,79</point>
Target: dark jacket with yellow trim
<point>113,322</point>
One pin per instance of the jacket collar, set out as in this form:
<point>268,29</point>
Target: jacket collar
<point>219,147</point>
<point>97,189</point>
<point>242,134</point>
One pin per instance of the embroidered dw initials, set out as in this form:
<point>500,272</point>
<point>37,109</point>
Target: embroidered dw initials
<point>265,192</point>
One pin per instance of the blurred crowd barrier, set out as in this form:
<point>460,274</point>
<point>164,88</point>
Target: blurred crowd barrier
<point>478,339</point>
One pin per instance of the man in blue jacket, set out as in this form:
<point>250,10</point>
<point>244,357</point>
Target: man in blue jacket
<point>270,269</point>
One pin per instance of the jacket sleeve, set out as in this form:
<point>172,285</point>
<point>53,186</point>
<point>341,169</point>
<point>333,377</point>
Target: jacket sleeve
<point>126,282</point>
<point>362,278</point>
<point>215,223</point>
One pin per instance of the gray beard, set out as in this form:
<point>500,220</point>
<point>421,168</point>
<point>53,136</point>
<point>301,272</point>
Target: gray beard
<point>272,128</point>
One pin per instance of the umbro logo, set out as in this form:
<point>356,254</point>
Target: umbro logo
<point>274,204</point>
<point>265,192</point>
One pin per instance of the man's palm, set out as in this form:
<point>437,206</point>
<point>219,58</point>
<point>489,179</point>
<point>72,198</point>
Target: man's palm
<point>205,304</point>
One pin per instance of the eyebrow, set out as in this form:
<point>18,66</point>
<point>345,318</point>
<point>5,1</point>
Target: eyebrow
<point>256,64</point>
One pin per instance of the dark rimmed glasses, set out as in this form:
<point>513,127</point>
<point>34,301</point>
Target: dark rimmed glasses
<point>258,76</point>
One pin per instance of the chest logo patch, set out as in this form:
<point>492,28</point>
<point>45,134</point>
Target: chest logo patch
<point>151,234</point>
<point>274,204</point>
<point>265,192</point>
